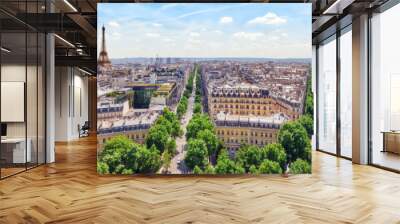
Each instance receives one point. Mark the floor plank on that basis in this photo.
(70, 191)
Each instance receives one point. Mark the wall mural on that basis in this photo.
(204, 88)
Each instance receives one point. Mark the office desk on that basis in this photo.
(391, 141)
(13, 150)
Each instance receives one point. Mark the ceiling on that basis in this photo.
(75, 22)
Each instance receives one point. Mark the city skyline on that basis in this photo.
(207, 30)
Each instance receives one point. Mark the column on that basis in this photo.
(360, 90)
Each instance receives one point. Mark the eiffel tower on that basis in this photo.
(103, 61)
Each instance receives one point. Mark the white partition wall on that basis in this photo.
(71, 102)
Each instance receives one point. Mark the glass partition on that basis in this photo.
(346, 93)
(385, 89)
(13, 92)
(327, 96)
(22, 77)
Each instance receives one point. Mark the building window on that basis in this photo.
(346, 93)
(327, 95)
(385, 89)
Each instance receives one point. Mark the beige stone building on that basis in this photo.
(250, 101)
(135, 128)
(236, 130)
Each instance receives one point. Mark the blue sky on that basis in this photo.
(206, 30)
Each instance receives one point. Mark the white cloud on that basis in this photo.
(113, 24)
(218, 32)
(248, 36)
(226, 20)
(168, 40)
(156, 24)
(194, 41)
(116, 35)
(152, 34)
(194, 34)
(268, 19)
(171, 5)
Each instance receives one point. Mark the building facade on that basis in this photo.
(250, 101)
(236, 130)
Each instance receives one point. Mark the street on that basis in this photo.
(177, 165)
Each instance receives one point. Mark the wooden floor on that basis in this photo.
(70, 191)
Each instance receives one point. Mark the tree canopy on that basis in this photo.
(270, 167)
(122, 156)
(307, 122)
(227, 166)
(249, 155)
(300, 166)
(197, 123)
(197, 108)
(309, 104)
(294, 139)
(196, 154)
(275, 152)
(211, 140)
(158, 136)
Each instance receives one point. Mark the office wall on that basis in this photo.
(13, 73)
(71, 102)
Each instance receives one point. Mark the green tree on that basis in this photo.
(197, 123)
(166, 160)
(182, 106)
(122, 156)
(149, 160)
(116, 152)
(270, 167)
(157, 136)
(171, 121)
(197, 99)
(209, 170)
(180, 110)
(169, 115)
(127, 172)
(275, 152)
(176, 130)
(171, 146)
(253, 169)
(227, 166)
(294, 139)
(211, 140)
(197, 170)
(102, 168)
(197, 108)
(162, 121)
(309, 104)
(249, 155)
(196, 154)
(119, 142)
(300, 166)
(307, 122)
(186, 93)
